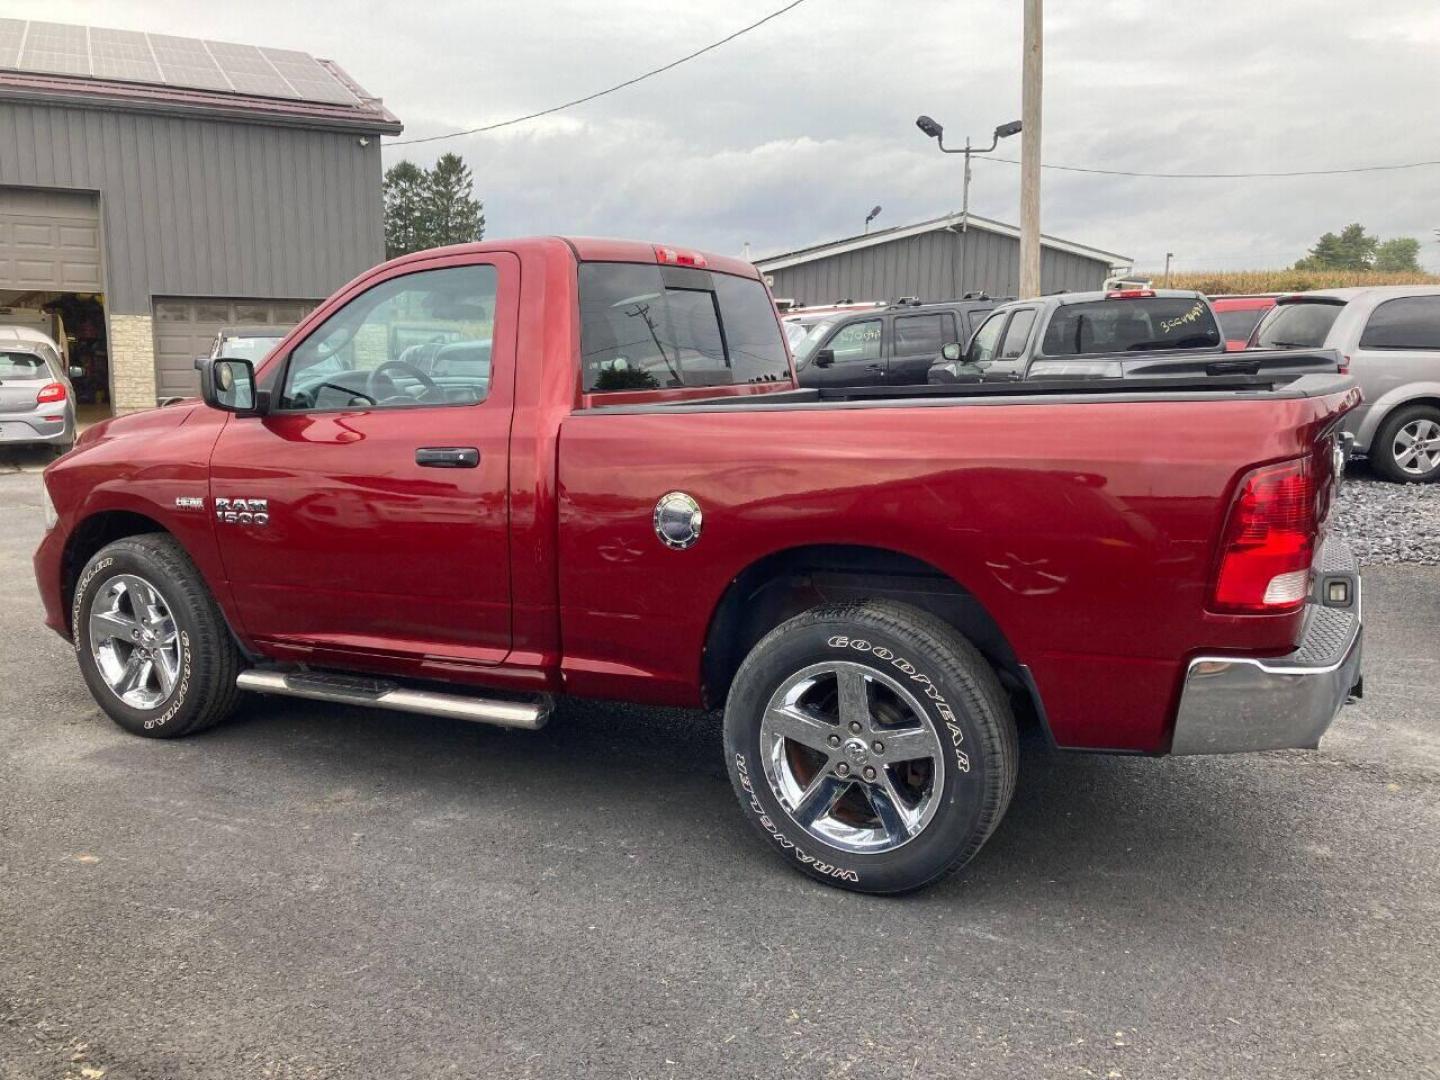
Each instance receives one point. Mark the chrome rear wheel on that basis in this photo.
(851, 757)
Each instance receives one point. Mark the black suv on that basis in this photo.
(894, 345)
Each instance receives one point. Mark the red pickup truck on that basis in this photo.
(482, 476)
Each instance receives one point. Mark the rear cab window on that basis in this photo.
(651, 327)
(1298, 324)
(1131, 324)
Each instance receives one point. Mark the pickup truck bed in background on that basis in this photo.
(486, 475)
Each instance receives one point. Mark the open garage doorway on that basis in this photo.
(51, 280)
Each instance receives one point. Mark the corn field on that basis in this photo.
(1218, 283)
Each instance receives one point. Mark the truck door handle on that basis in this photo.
(447, 457)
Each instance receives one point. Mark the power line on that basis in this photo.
(1225, 175)
(609, 90)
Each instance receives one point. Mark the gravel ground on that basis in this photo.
(1389, 523)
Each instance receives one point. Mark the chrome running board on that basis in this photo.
(383, 694)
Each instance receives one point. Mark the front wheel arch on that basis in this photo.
(92, 534)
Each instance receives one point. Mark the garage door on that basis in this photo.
(49, 241)
(185, 327)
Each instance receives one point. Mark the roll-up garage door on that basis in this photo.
(49, 241)
(185, 328)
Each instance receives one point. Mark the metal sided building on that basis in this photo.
(941, 259)
(155, 188)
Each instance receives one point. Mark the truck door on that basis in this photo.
(916, 345)
(368, 512)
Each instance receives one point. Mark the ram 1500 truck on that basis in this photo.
(483, 476)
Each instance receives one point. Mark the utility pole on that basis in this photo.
(1030, 93)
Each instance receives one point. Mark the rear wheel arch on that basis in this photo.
(785, 583)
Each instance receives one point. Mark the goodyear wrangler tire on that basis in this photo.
(870, 745)
(152, 646)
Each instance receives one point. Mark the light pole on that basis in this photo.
(936, 132)
(871, 217)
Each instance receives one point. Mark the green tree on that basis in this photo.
(407, 192)
(427, 208)
(1353, 249)
(455, 216)
(1400, 255)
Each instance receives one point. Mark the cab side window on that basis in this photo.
(856, 342)
(1017, 333)
(986, 341)
(421, 339)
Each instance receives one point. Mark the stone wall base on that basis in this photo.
(132, 362)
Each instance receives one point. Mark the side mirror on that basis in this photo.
(229, 384)
(825, 358)
(76, 371)
(951, 352)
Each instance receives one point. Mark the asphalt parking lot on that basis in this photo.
(313, 891)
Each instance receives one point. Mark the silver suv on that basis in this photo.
(1390, 339)
(37, 402)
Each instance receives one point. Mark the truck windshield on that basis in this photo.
(1132, 324)
(647, 327)
(1299, 325)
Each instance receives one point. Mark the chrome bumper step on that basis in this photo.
(384, 694)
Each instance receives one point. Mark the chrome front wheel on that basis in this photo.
(851, 757)
(134, 641)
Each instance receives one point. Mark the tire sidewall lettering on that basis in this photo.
(927, 687)
(80, 639)
(752, 800)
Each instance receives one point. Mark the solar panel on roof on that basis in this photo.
(122, 54)
(186, 62)
(166, 60)
(309, 79)
(12, 32)
(248, 70)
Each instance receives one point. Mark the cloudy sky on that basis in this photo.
(790, 134)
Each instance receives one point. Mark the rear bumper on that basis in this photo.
(1236, 704)
(32, 427)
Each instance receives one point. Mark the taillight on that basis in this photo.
(50, 393)
(1344, 363)
(1269, 541)
(1128, 294)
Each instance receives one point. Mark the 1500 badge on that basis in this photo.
(242, 511)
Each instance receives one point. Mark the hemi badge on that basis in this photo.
(189, 502)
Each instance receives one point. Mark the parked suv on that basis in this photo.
(37, 402)
(1390, 340)
(894, 346)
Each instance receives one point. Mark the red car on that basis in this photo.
(1239, 315)
(480, 477)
